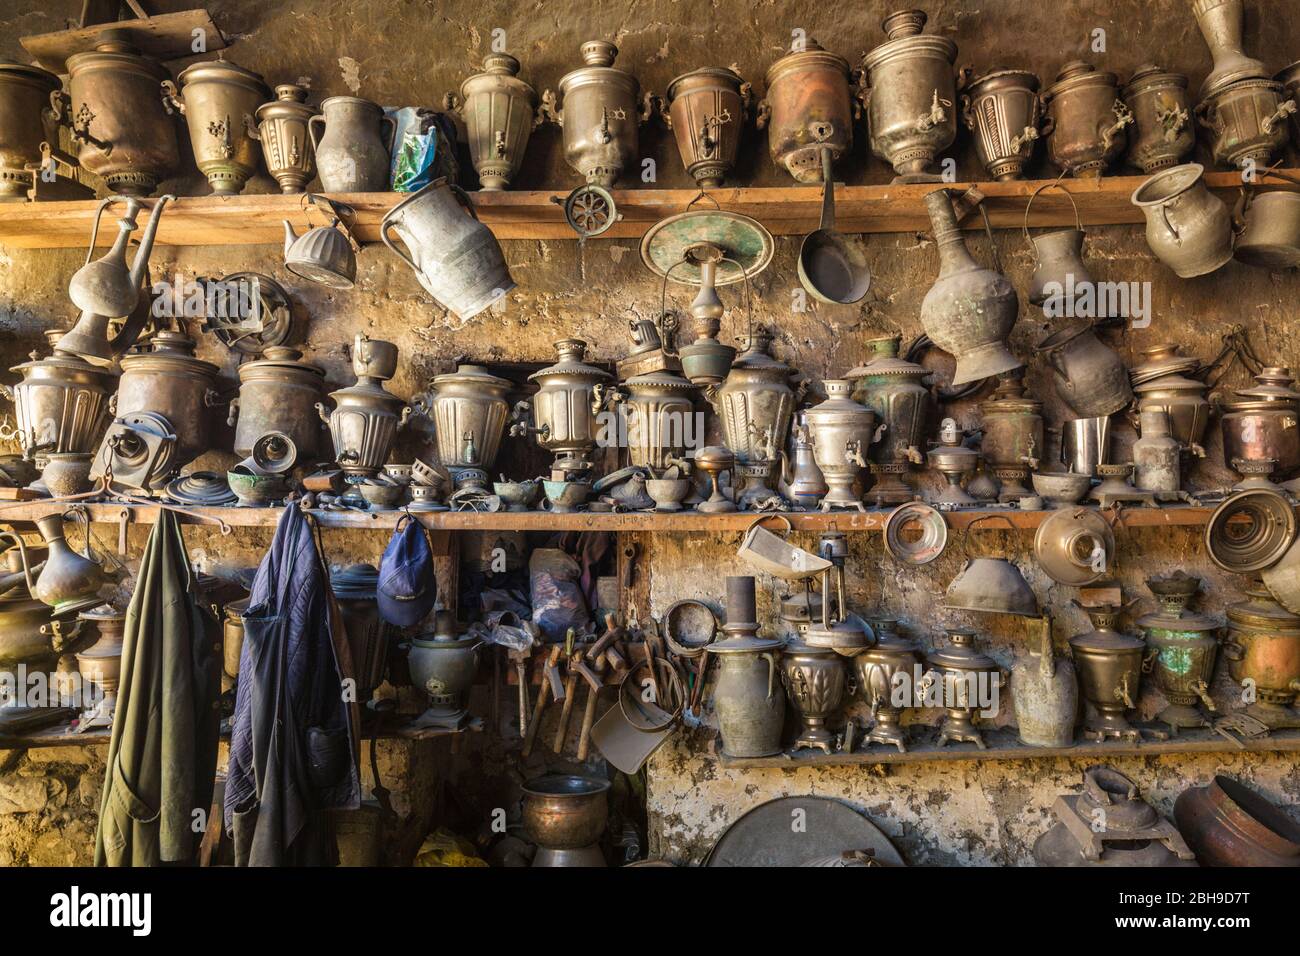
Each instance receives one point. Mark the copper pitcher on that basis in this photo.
(1188, 227)
(353, 139)
(1089, 375)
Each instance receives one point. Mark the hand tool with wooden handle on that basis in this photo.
(570, 687)
(595, 680)
(520, 659)
(545, 688)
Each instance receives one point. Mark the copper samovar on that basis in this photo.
(282, 129)
(61, 404)
(1186, 644)
(657, 409)
(24, 96)
(500, 113)
(706, 111)
(808, 108)
(1109, 663)
(566, 407)
(884, 671)
(1263, 422)
(469, 410)
(967, 682)
(219, 101)
(1263, 653)
(1013, 435)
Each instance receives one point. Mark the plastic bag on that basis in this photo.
(444, 848)
(558, 602)
(424, 148)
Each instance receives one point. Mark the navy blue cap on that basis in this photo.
(407, 587)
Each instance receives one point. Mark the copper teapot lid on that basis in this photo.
(281, 356)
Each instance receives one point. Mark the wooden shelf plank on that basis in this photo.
(680, 522)
(785, 210)
(1003, 744)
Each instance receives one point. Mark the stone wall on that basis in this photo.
(409, 52)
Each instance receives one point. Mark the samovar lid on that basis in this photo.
(103, 612)
(961, 653)
(813, 55)
(66, 361)
(905, 39)
(1260, 607)
(1175, 592)
(25, 71)
(172, 348)
(1148, 75)
(355, 582)
(885, 360)
(1162, 360)
(222, 70)
(1078, 73)
(1272, 384)
(1026, 79)
(280, 356)
(719, 72)
(290, 100)
(571, 352)
(662, 378)
(471, 375)
(1010, 396)
(757, 355)
(201, 488)
(599, 56)
(1104, 637)
(116, 46)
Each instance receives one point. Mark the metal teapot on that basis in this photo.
(68, 581)
(325, 254)
(107, 288)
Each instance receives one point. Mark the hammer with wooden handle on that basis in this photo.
(542, 691)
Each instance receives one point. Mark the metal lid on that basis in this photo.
(812, 56)
(355, 582)
(661, 379)
(757, 355)
(1077, 74)
(103, 612)
(1149, 75)
(222, 70)
(1025, 79)
(571, 352)
(201, 488)
(173, 349)
(13, 70)
(1272, 384)
(961, 654)
(471, 375)
(746, 246)
(906, 40)
(1105, 637)
(885, 361)
(279, 357)
(599, 56)
(1261, 609)
(1163, 359)
(1010, 396)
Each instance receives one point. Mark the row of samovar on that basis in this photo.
(827, 655)
(118, 101)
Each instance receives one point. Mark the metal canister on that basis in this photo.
(232, 642)
(279, 393)
(808, 108)
(24, 96)
(166, 378)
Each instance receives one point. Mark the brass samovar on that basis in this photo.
(570, 396)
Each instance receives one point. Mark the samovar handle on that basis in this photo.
(771, 672)
(1149, 661)
(232, 416)
(1123, 117)
(762, 114)
(1122, 694)
(1202, 690)
(322, 412)
(172, 100)
(548, 111)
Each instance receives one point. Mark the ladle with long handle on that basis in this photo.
(832, 267)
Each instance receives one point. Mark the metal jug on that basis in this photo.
(1058, 260)
(69, 582)
(747, 696)
(107, 288)
(325, 254)
(1089, 375)
(352, 154)
(456, 258)
(1188, 228)
(1045, 694)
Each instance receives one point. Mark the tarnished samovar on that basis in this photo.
(1169, 381)
(1013, 435)
(366, 417)
(599, 108)
(896, 390)
(884, 674)
(1085, 120)
(756, 402)
(570, 395)
(1186, 644)
(1263, 422)
(500, 113)
(911, 97)
(61, 404)
(1247, 122)
(1263, 653)
(116, 114)
(219, 101)
(278, 395)
(1003, 110)
(841, 432)
(24, 96)
(706, 110)
(1109, 663)
(469, 410)
(658, 411)
(1163, 134)
(967, 682)
(807, 108)
(165, 378)
(286, 143)
(816, 682)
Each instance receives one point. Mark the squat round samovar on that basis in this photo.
(566, 407)
(1263, 653)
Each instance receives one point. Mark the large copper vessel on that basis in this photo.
(599, 109)
(1085, 120)
(570, 395)
(469, 411)
(807, 108)
(896, 390)
(660, 419)
(61, 404)
(1004, 111)
(911, 97)
(278, 394)
(1163, 133)
(282, 129)
(24, 96)
(706, 111)
(1227, 824)
(219, 101)
(1187, 644)
(500, 112)
(1263, 422)
(166, 378)
(1263, 653)
(969, 311)
(115, 110)
(756, 402)
(25, 637)
(1013, 435)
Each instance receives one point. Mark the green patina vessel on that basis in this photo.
(1183, 646)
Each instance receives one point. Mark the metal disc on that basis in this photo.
(273, 307)
(590, 210)
(764, 836)
(1250, 531)
(933, 538)
(741, 239)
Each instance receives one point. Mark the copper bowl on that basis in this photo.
(1227, 824)
(565, 813)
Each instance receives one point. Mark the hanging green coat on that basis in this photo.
(162, 754)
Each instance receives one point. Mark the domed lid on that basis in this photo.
(1261, 607)
(839, 400)
(103, 612)
(961, 654)
(13, 70)
(1010, 397)
(1076, 74)
(1170, 383)
(176, 349)
(599, 56)
(813, 55)
(1175, 593)
(720, 73)
(355, 582)
(1021, 79)
(571, 352)
(885, 361)
(280, 356)
(661, 379)
(222, 70)
(757, 355)
(471, 375)
(1105, 637)
(1161, 360)
(905, 39)
(290, 101)
(1149, 75)
(1273, 384)
(201, 488)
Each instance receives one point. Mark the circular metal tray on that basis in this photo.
(768, 835)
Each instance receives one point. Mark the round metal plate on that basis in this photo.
(741, 239)
(927, 546)
(765, 837)
(1250, 531)
(1055, 537)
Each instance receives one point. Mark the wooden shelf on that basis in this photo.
(686, 522)
(1003, 744)
(785, 210)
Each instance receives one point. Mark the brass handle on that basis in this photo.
(937, 114)
(1284, 109)
(1202, 691)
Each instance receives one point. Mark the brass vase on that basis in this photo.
(286, 143)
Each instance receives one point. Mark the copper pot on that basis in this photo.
(565, 812)
(1163, 133)
(808, 108)
(1228, 824)
(1246, 121)
(167, 379)
(219, 100)
(278, 394)
(1085, 120)
(24, 95)
(1263, 422)
(116, 113)
(1263, 647)
(282, 129)
(706, 111)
